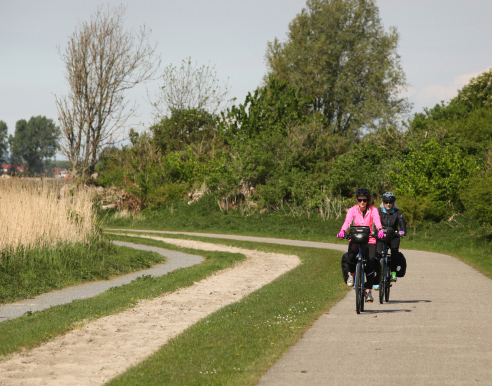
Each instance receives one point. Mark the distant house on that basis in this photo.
(12, 169)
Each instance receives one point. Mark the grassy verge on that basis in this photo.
(32, 329)
(462, 237)
(27, 273)
(236, 344)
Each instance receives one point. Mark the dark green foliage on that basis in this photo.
(34, 141)
(339, 53)
(184, 128)
(477, 196)
(3, 140)
(272, 108)
(437, 170)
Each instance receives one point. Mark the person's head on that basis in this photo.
(363, 197)
(388, 200)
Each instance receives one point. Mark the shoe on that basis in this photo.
(393, 276)
(375, 287)
(369, 297)
(350, 280)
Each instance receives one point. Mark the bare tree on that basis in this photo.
(189, 87)
(103, 60)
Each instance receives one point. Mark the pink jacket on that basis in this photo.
(372, 217)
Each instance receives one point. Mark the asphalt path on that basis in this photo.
(435, 330)
(175, 260)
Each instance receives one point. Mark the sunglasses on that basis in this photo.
(362, 199)
(387, 202)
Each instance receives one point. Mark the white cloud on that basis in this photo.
(435, 93)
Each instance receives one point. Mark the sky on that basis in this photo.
(443, 45)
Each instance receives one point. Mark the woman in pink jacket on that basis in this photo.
(362, 214)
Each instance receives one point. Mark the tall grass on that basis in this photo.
(50, 239)
(33, 215)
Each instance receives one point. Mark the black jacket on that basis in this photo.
(393, 219)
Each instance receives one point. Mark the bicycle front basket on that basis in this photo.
(360, 234)
(389, 234)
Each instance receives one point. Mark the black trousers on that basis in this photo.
(395, 260)
(349, 261)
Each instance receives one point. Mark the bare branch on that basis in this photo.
(189, 87)
(103, 61)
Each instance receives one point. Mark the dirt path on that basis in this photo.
(102, 349)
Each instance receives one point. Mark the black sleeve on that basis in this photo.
(401, 221)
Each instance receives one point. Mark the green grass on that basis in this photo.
(236, 344)
(203, 217)
(27, 273)
(32, 329)
(462, 237)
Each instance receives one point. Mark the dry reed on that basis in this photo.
(35, 215)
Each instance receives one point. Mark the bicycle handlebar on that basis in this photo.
(375, 235)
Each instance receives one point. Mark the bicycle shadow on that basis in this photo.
(410, 301)
(379, 311)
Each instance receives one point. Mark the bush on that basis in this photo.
(418, 209)
(478, 196)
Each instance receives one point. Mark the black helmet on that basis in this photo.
(389, 197)
(362, 192)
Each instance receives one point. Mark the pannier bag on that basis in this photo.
(359, 234)
(401, 268)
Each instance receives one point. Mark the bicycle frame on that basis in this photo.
(359, 287)
(384, 283)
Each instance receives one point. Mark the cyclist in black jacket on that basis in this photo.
(392, 217)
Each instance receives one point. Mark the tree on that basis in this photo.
(185, 127)
(103, 61)
(34, 141)
(191, 87)
(339, 53)
(3, 140)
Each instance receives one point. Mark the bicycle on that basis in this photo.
(359, 235)
(385, 277)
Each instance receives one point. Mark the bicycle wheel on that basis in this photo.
(362, 291)
(382, 280)
(359, 296)
(387, 284)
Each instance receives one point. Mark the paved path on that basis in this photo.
(174, 261)
(436, 330)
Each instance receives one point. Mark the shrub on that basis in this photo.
(478, 196)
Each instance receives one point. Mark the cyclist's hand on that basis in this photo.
(381, 234)
(401, 233)
(341, 235)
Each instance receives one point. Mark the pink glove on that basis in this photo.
(401, 233)
(381, 234)
(341, 235)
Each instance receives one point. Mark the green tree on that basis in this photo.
(3, 140)
(34, 141)
(338, 51)
(271, 108)
(186, 127)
